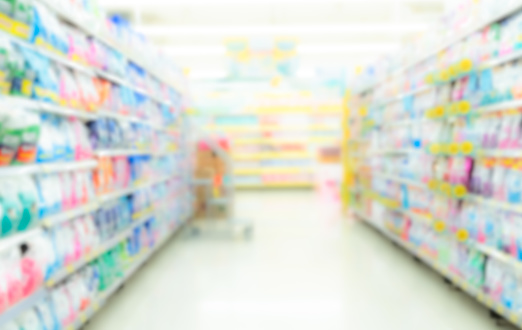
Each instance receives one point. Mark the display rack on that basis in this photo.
(269, 153)
(419, 169)
(164, 215)
(456, 280)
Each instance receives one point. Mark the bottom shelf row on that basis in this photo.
(71, 304)
(483, 278)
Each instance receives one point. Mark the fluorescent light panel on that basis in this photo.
(303, 49)
(390, 28)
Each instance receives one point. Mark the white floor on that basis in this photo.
(306, 268)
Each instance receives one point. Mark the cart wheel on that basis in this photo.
(195, 231)
(248, 232)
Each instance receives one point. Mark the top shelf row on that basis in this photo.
(70, 35)
(445, 37)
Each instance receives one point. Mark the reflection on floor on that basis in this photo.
(305, 268)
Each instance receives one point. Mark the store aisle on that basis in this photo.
(306, 268)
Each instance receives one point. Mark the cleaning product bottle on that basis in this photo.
(29, 127)
(28, 195)
(11, 208)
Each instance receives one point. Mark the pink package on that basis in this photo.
(78, 246)
(70, 244)
(66, 184)
(83, 148)
(505, 132)
(71, 317)
(461, 170)
(80, 189)
(4, 297)
(13, 277)
(78, 46)
(97, 55)
(89, 98)
(122, 171)
(32, 275)
(498, 182)
(69, 92)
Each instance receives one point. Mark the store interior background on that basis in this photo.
(290, 62)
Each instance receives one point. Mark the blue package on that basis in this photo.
(99, 220)
(99, 134)
(60, 143)
(46, 83)
(67, 134)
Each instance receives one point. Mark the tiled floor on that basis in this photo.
(305, 268)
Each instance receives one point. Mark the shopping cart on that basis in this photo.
(215, 217)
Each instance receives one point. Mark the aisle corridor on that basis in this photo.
(305, 269)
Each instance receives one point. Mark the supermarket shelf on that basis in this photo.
(400, 122)
(512, 207)
(517, 5)
(81, 67)
(68, 166)
(62, 59)
(483, 66)
(288, 185)
(120, 117)
(92, 27)
(106, 246)
(127, 191)
(490, 251)
(67, 215)
(122, 82)
(392, 152)
(15, 311)
(272, 170)
(517, 208)
(133, 152)
(15, 170)
(86, 315)
(18, 238)
(477, 294)
(65, 111)
(261, 128)
(29, 302)
(500, 153)
(402, 96)
(515, 55)
(499, 106)
(398, 179)
(282, 141)
(35, 105)
(500, 256)
(121, 152)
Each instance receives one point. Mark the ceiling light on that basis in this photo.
(388, 28)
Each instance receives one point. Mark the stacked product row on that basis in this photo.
(275, 149)
(93, 160)
(475, 33)
(38, 23)
(67, 69)
(464, 237)
(438, 158)
(26, 268)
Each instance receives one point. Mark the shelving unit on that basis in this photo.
(172, 151)
(408, 133)
(265, 145)
(85, 315)
(475, 293)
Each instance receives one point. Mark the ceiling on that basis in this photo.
(339, 33)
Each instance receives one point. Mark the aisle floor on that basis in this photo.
(305, 268)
